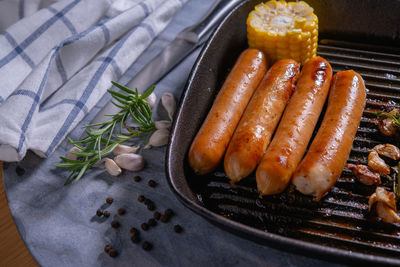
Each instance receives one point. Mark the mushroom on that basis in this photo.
(388, 150)
(385, 205)
(386, 126)
(364, 175)
(377, 164)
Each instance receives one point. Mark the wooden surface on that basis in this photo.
(13, 251)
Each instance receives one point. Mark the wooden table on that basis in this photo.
(13, 251)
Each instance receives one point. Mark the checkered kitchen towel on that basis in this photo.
(57, 60)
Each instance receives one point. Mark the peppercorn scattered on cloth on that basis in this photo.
(284, 30)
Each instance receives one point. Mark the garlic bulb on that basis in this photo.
(168, 101)
(151, 99)
(158, 138)
(112, 167)
(69, 155)
(162, 125)
(123, 149)
(130, 162)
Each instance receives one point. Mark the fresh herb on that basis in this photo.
(104, 137)
(394, 117)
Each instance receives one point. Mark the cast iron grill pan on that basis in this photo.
(340, 221)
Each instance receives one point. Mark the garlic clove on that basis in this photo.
(112, 167)
(168, 101)
(162, 124)
(123, 149)
(158, 138)
(69, 155)
(151, 99)
(130, 162)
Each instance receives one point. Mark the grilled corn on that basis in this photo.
(284, 30)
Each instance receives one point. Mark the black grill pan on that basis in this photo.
(354, 34)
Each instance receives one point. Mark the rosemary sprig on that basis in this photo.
(394, 117)
(104, 137)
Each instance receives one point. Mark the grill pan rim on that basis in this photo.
(182, 191)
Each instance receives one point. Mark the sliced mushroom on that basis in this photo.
(386, 126)
(387, 214)
(381, 195)
(364, 175)
(388, 150)
(377, 164)
(385, 205)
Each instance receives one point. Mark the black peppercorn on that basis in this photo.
(107, 248)
(151, 206)
(147, 201)
(113, 253)
(135, 239)
(121, 211)
(157, 215)
(134, 231)
(178, 228)
(152, 183)
(106, 214)
(145, 226)
(99, 212)
(147, 246)
(169, 212)
(164, 218)
(141, 198)
(109, 200)
(20, 171)
(115, 224)
(137, 178)
(152, 222)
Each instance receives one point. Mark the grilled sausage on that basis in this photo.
(259, 120)
(211, 141)
(295, 129)
(327, 155)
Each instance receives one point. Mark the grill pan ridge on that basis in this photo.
(339, 224)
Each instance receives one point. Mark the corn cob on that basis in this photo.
(284, 30)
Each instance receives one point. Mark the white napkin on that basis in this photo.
(57, 63)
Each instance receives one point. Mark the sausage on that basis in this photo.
(327, 155)
(295, 129)
(260, 119)
(211, 141)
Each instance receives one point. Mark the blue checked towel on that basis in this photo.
(57, 59)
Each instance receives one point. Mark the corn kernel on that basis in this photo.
(284, 30)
